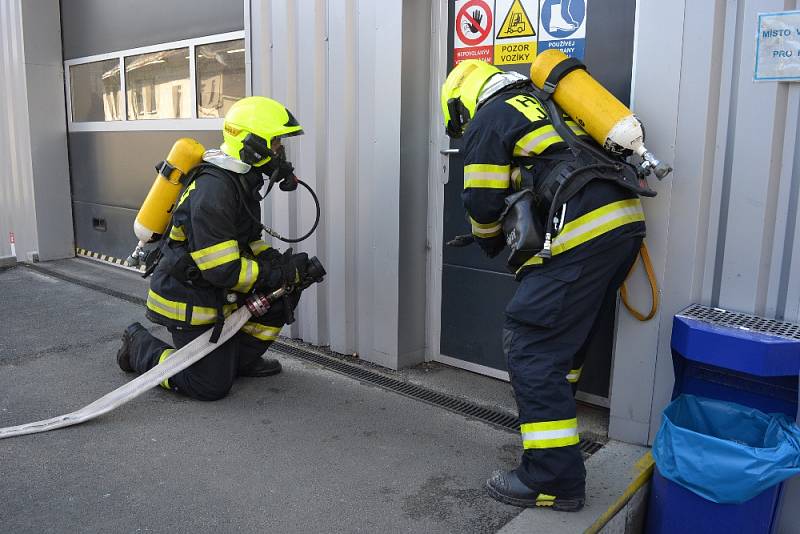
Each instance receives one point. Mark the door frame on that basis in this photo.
(438, 173)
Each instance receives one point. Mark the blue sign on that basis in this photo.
(562, 18)
(778, 47)
(562, 25)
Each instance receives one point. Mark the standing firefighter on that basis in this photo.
(512, 152)
(213, 257)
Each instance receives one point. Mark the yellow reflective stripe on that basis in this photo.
(164, 356)
(516, 178)
(537, 141)
(550, 434)
(186, 192)
(574, 375)
(203, 315)
(167, 308)
(247, 276)
(216, 255)
(262, 332)
(593, 224)
(487, 176)
(177, 234)
(258, 246)
(485, 230)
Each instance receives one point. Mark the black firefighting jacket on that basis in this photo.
(507, 134)
(211, 226)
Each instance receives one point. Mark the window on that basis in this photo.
(220, 77)
(95, 91)
(158, 85)
(183, 85)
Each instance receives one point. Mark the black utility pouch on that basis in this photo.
(523, 230)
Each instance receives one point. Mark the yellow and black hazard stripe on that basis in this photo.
(82, 252)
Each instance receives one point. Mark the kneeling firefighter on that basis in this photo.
(570, 253)
(213, 256)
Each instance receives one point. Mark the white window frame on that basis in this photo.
(125, 125)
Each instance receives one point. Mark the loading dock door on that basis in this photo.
(475, 289)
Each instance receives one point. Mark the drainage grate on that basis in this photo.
(494, 417)
(497, 418)
(742, 321)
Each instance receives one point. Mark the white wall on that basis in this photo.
(342, 68)
(722, 231)
(35, 194)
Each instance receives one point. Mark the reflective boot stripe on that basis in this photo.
(550, 434)
(164, 356)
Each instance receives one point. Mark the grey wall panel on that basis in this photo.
(339, 65)
(117, 168)
(99, 26)
(34, 187)
(414, 124)
(115, 238)
(17, 207)
(44, 72)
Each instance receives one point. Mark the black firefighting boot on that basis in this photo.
(124, 352)
(260, 367)
(509, 489)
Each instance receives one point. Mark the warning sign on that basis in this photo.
(517, 23)
(515, 41)
(562, 25)
(474, 31)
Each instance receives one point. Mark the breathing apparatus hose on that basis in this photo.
(274, 233)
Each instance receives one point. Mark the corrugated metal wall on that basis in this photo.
(16, 194)
(34, 197)
(723, 228)
(351, 71)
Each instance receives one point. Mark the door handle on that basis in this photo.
(448, 151)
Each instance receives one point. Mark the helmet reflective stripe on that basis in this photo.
(460, 93)
(263, 118)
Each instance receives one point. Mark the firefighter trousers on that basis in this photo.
(549, 323)
(208, 379)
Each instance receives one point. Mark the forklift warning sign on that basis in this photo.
(474, 31)
(515, 41)
(512, 32)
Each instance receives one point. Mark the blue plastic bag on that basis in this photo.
(725, 452)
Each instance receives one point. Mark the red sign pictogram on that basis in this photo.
(474, 22)
(11, 238)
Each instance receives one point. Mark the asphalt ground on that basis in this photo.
(305, 451)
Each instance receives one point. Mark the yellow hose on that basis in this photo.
(651, 278)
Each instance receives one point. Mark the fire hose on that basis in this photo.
(255, 306)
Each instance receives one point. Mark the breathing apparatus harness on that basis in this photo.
(595, 162)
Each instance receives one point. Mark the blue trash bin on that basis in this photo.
(737, 358)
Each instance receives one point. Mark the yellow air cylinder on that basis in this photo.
(607, 120)
(154, 215)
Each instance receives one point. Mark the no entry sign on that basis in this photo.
(474, 31)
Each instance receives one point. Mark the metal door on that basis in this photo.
(475, 289)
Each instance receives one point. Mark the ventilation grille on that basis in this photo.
(741, 321)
